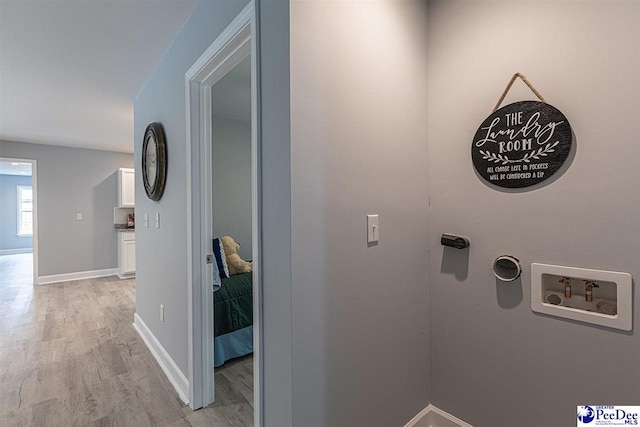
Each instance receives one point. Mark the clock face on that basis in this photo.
(152, 160)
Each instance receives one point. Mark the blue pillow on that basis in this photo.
(221, 258)
(217, 283)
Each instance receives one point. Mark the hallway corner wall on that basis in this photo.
(498, 363)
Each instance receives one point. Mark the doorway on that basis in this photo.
(18, 223)
(231, 61)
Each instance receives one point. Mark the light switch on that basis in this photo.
(146, 220)
(373, 229)
(79, 216)
(157, 219)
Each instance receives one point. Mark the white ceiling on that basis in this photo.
(15, 168)
(70, 69)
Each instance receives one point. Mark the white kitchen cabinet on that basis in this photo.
(126, 254)
(126, 188)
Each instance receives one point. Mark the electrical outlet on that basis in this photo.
(162, 313)
(79, 216)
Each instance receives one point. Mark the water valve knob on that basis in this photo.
(458, 242)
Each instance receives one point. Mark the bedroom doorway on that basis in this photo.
(224, 199)
(19, 224)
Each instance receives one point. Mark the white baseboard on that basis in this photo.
(432, 416)
(422, 414)
(16, 251)
(169, 367)
(81, 275)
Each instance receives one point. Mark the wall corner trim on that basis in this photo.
(81, 275)
(168, 365)
(436, 417)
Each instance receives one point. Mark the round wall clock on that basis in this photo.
(154, 161)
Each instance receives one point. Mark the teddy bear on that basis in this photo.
(236, 264)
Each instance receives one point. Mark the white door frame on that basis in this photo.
(236, 42)
(34, 189)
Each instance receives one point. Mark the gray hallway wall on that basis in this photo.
(308, 369)
(163, 100)
(496, 363)
(359, 146)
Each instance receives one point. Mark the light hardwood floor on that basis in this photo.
(70, 357)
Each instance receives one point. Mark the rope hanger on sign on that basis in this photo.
(513, 79)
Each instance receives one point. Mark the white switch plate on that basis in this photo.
(162, 313)
(157, 219)
(146, 220)
(79, 216)
(373, 229)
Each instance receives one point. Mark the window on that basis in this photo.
(25, 210)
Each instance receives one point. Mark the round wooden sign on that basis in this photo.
(521, 144)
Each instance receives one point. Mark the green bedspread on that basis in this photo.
(233, 304)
